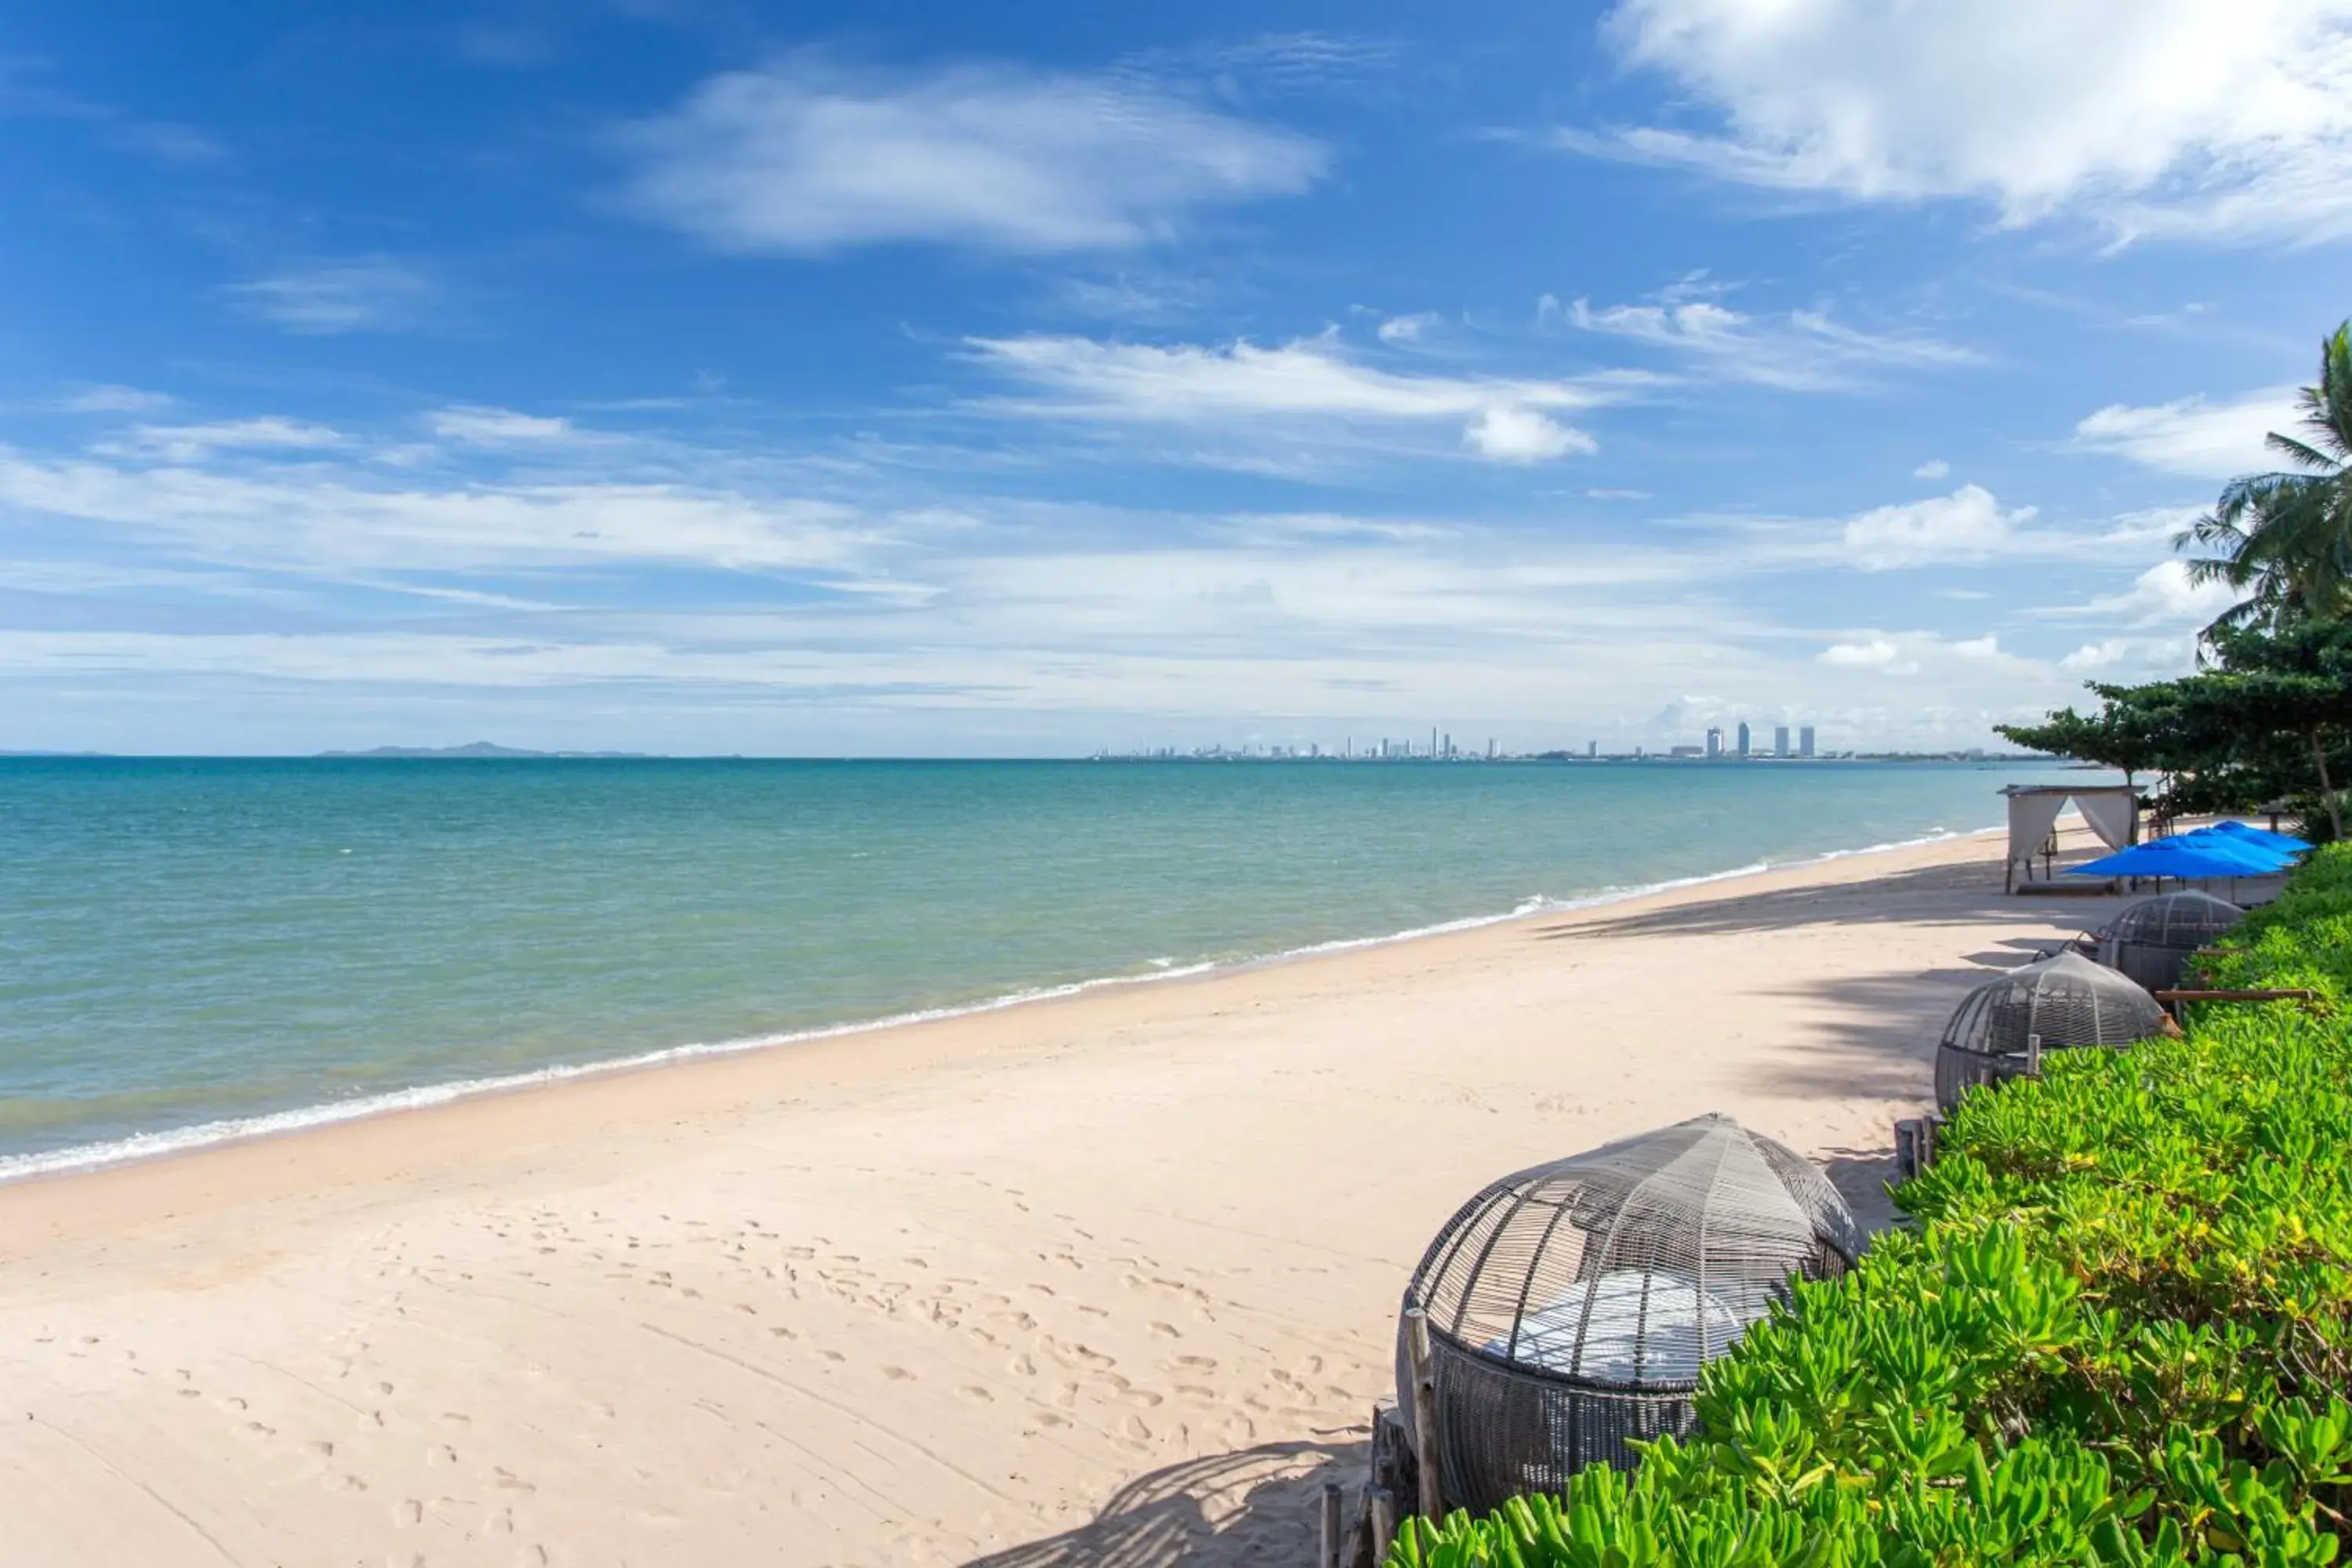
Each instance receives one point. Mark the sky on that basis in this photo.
(907, 378)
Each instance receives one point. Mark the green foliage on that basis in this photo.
(2271, 719)
(2120, 1333)
(2283, 540)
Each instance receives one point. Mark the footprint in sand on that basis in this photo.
(896, 1373)
(976, 1393)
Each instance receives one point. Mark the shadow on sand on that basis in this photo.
(1939, 895)
(1255, 1505)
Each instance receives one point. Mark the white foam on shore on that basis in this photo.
(174, 1141)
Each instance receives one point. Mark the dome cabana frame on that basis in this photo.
(2062, 1002)
(2151, 941)
(1568, 1308)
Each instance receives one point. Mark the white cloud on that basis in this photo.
(187, 443)
(1804, 351)
(1878, 653)
(1909, 653)
(1409, 329)
(805, 157)
(500, 427)
(1190, 382)
(117, 400)
(2192, 437)
(331, 298)
(1966, 525)
(1933, 469)
(282, 520)
(2129, 660)
(2188, 117)
(1524, 436)
(2162, 596)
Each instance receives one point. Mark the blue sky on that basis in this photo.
(914, 378)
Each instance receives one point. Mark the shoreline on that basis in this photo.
(1110, 1278)
(147, 1148)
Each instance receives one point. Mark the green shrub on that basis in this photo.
(2121, 1333)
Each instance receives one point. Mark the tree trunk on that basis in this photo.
(2326, 789)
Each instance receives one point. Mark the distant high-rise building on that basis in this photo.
(1805, 742)
(1743, 740)
(1714, 744)
(1780, 739)
(1592, 748)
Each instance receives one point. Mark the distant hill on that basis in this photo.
(479, 748)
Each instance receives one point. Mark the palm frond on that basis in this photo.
(2301, 452)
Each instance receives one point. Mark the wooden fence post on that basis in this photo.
(1383, 1502)
(1424, 1413)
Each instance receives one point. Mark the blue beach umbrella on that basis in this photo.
(2275, 858)
(2188, 857)
(2262, 836)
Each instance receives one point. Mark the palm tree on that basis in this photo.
(2285, 539)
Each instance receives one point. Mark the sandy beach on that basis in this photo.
(1106, 1279)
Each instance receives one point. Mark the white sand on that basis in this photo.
(1105, 1279)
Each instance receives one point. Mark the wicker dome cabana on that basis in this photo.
(2061, 1002)
(2152, 939)
(1570, 1306)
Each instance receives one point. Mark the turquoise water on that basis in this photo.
(188, 944)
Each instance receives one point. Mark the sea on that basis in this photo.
(195, 950)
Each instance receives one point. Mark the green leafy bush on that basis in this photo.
(2120, 1333)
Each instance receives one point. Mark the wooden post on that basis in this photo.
(2033, 1056)
(1424, 1413)
(1334, 1533)
(1928, 1140)
(1384, 1505)
(1906, 1148)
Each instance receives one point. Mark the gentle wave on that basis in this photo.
(154, 1145)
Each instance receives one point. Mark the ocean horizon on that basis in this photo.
(195, 949)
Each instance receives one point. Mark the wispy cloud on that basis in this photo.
(1802, 351)
(1075, 377)
(28, 87)
(480, 426)
(808, 156)
(324, 298)
(116, 400)
(2191, 435)
(332, 523)
(1277, 63)
(189, 443)
(1409, 329)
(2174, 117)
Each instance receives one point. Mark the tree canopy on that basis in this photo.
(2269, 718)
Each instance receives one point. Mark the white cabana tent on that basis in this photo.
(2111, 810)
